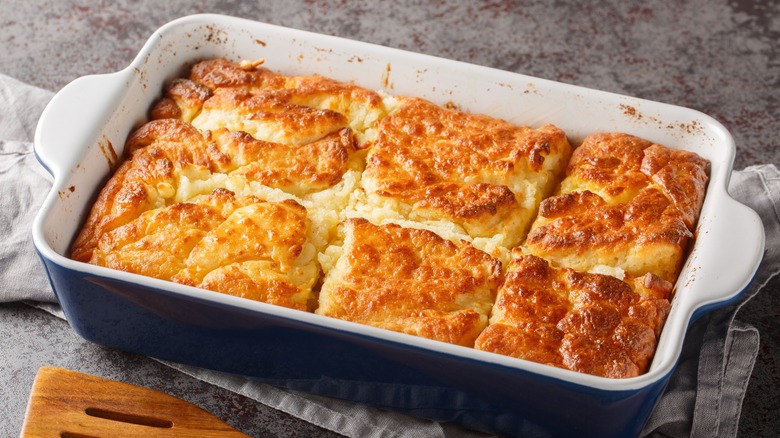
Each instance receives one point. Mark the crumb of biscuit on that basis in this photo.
(248, 64)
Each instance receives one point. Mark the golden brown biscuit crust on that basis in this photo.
(222, 73)
(618, 166)
(242, 246)
(361, 107)
(590, 323)
(183, 100)
(462, 167)
(296, 169)
(412, 281)
(625, 203)
(161, 150)
(268, 115)
(147, 179)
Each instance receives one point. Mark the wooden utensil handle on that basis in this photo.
(69, 404)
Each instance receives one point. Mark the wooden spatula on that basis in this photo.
(69, 404)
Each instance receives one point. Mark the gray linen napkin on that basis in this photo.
(704, 396)
(719, 352)
(24, 186)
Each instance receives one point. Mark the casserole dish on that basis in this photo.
(80, 138)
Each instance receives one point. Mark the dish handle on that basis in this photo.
(734, 251)
(63, 128)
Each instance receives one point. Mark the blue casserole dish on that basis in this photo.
(80, 138)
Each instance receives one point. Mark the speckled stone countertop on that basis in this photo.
(720, 57)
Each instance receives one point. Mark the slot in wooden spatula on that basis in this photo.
(69, 404)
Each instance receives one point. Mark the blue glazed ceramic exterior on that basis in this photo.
(330, 362)
(339, 359)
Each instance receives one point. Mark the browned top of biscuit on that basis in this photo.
(590, 323)
(296, 169)
(146, 179)
(158, 242)
(223, 73)
(583, 220)
(618, 166)
(162, 150)
(625, 202)
(183, 99)
(467, 168)
(268, 115)
(242, 246)
(412, 281)
(254, 92)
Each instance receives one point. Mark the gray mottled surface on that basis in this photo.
(719, 57)
(31, 338)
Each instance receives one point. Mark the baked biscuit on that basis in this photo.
(241, 246)
(252, 98)
(170, 161)
(485, 175)
(267, 115)
(409, 280)
(625, 203)
(590, 323)
(298, 134)
(183, 100)
(159, 154)
(298, 169)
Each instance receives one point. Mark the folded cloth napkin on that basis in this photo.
(24, 186)
(703, 398)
